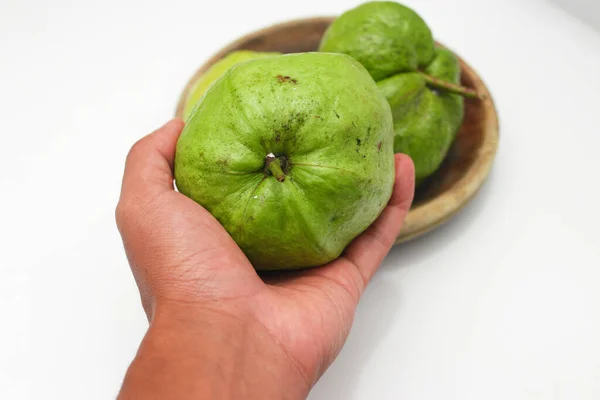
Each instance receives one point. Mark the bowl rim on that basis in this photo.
(426, 216)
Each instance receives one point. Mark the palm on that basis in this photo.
(310, 316)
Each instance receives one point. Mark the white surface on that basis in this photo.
(586, 10)
(501, 303)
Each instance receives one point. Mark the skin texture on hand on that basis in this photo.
(217, 329)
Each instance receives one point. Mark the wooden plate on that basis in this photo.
(468, 162)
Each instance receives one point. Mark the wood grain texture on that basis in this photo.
(468, 162)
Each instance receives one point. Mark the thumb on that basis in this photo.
(149, 165)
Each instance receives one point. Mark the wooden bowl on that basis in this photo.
(468, 162)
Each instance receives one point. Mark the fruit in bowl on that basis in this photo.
(419, 79)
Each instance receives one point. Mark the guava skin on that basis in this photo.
(215, 71)
(384, 36)
(292, 154)
(395, 45)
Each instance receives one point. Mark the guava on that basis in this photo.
(426, 120)
(215, 71)
(292, 154)
(384, 36)
(419, 79)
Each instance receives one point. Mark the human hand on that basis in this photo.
(217, 329)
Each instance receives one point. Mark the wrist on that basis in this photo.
(199, 351)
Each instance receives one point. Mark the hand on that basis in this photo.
(217, 329)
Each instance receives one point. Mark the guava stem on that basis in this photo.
(451, 87)
(274, 165)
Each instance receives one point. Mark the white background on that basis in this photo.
(503, 302)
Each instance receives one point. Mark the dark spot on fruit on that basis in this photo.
(223, 161)
(285, 164)
(286, 78)
(318, 116)
(336, 114)
(357, 141)
(379, 146)
(278, 138)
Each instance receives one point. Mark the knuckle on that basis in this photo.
(134, 213)
(356, 283)
(120, 214)
(137, 148)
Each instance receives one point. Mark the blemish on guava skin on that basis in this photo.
(278, 138)
(336, 114)
(285, 164)
(357, 141)
(286, 78)
(223, 161)
(379, 146)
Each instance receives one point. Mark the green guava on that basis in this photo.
(426, 120)
(292, 154)
(215, 71)
(384, 36)
(419, 79)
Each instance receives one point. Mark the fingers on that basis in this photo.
(404, 185)
(369, 249)
(149, 164)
